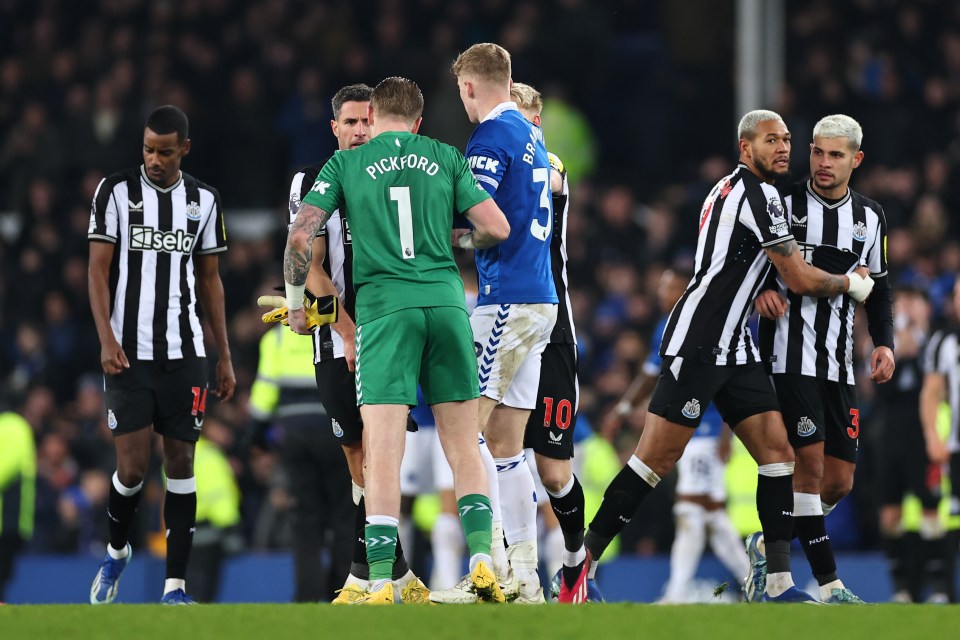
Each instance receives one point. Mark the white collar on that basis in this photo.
(143, 174)
(500, 108)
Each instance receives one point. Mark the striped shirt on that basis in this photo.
(564, 331)
(155, 233)
(815, 335)
(338, 263)
(740, 217)
(942, 356)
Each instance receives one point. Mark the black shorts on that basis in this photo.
(905, 468)
(817, 410)
(338, 393)
(551, 423)
(171, 395)
(686, 386)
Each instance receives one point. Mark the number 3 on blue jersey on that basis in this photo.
(538, 231)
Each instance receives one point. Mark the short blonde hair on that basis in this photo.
(840, 126)
(526, 97)
(486, 61)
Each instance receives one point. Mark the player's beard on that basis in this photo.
(771, 174)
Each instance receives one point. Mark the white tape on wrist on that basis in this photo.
(859, 287)
(294, 295)
(466, 241)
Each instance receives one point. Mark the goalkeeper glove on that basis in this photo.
(320, 311)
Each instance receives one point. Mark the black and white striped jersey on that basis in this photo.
(815, 335)
(740, 217)
(338, 262)
(564, 331)
(942, 355)
(155, 233)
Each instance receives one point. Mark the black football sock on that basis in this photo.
(894, 547)
(120, 510)
(359, 567)
(775, 508)
(620, 502)
(180, 516)
(567, 506)
(812, 532)
(400, 566)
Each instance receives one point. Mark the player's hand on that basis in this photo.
(350, 351)
(319, 311)
(882, 365)
(112, 358)
(937, 451)
(771, 305)
(297, 319)
(226, 380)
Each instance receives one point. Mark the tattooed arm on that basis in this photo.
(802, 278)
(297, 258)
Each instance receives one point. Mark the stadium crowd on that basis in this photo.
(641, 112)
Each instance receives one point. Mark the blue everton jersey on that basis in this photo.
(508, 158)
(711, 424)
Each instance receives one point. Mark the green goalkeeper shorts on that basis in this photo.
(429, 345)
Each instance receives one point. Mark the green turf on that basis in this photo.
(487, 622)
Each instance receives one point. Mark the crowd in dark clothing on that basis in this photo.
(652, 81)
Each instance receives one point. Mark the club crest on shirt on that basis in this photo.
(860, 232)
(337, 429)
(111, 420)
(691, 409)
(805, 427)
(193, 210)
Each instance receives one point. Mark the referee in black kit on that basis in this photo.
(155, 233)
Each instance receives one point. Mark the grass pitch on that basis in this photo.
(483, 622)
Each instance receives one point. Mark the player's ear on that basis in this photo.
(335, 128)
(185, 147)
(536, 119)
(416, 125)
(369, 115)
(857, 159)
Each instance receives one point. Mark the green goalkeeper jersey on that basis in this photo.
(399, 193)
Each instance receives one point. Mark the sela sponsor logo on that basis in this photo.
(775, 210)
(111, 420)
(193, 211)
(805, 427)
(691, 409)
(144, 238)
(337, 429)
(860, 232)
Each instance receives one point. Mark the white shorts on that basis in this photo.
(700, 472)
(424, 468)
(509, 339)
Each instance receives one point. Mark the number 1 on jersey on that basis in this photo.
(401, 195)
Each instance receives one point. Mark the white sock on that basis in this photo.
(447, 542)
(115, 554)
(826, 590)
(726, 543)
(479, 557)
(827, 508)
(777, 583)
(553, 550)
(688, 544)
(405, 578)
(501, 566)
(360, 582)
(518, 499)
(172, 584)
